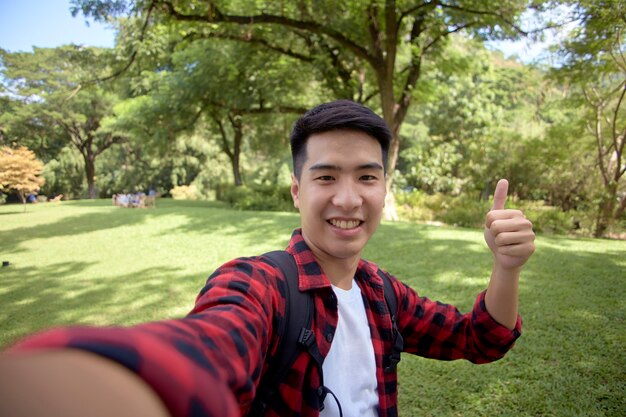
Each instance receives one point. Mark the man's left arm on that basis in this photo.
(509, 235)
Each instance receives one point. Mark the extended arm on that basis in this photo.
(204, 364)
(73, 383)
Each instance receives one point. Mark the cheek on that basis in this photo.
(310, 201)
(376, 198)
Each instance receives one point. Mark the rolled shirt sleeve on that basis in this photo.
(440, 331)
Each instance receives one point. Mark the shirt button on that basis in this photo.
(329, 337)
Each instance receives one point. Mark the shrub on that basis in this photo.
(459, 211)
(464, 212)
(546, 219)
(256, 197)
(413, 206)
(184, 192)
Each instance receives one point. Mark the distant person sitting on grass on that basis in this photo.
(123, 200)
(213, 361)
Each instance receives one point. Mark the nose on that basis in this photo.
(347, 196)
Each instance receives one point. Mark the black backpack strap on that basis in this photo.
(391, 360)
(294, 334)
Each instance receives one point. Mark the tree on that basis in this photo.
(216, 89)
(20, 171)
(58, 99)
(594, 66)
(475, 111)
(389, 39)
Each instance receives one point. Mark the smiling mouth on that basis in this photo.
(345, 224)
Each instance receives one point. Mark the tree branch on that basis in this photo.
(215, 16)
(485, 13)
(391, 33)
(615, 114)
(618, 45)
(275, 109)
(250, 39)
(112, 140)
(74, 134)
(445, 34)
(225, 146)
(260, 110)
(414, 69)
(374, 31)
(414, 9)
(598, 134)
(134, 54)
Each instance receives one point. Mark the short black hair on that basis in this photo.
(337, 115)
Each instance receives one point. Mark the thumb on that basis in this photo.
(499, 196)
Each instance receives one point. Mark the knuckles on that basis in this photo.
(514, 224)
(495, 215)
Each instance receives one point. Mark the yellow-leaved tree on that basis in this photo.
(20, 170)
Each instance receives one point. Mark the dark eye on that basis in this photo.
(325, 178)
(368, 178)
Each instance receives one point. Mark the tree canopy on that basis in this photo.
(56, 99)
(203, 94)
(20, 171)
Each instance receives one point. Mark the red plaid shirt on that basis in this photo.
(199, 363)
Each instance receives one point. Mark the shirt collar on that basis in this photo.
(310, 273)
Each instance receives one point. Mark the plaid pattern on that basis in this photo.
(209, 363)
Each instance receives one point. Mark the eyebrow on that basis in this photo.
(331, 167)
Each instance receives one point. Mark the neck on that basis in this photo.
(340, 272)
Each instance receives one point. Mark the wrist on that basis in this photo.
(499, 269)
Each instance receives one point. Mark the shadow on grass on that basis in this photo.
(253, 227)
(73, 225)
(33, 299)
(200, 217)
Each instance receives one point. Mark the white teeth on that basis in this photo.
(345, 224)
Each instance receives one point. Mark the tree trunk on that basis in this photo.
(605, 210)
(235, 121)
(389, 107)
(235, 153)
(236, 171)
(90, 173)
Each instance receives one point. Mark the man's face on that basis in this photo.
(340, 193)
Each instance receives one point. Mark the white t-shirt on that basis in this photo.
(350, 366)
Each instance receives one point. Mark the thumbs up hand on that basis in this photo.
(508, 233)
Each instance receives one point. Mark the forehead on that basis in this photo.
(343, 146)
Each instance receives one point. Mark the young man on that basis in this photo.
(210, 362)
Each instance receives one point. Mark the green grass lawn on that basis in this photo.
(89, 262)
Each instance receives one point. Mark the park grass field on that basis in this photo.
(91, 263)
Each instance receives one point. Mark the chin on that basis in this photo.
(345, 251)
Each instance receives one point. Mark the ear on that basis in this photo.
(295, 191)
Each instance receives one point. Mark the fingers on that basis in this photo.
(519, 250)
(499, 196)
(514, 238)
(496, 215)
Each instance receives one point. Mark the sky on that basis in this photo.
(49, 23)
